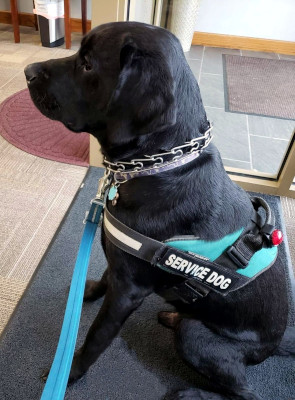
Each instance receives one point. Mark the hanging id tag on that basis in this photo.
(113, 194)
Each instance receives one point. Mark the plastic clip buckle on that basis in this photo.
(189, 291)
(197, 289)
(237, 257)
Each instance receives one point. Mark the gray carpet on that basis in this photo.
(260, 86)
(141, 363)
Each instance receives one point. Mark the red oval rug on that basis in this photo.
(23, 125)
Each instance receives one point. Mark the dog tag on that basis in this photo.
(112, 193)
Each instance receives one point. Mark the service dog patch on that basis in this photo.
(199, 268)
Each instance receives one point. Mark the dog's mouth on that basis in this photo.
(47, 104)
(73, 127)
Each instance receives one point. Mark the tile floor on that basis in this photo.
(245, 141)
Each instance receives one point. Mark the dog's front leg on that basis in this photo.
(120, 300)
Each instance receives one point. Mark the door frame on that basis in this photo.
(282, 186)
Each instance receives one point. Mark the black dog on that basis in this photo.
(131, 87)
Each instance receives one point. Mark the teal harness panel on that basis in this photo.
(260, 260)
(213, 249)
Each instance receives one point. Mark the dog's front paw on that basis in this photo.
(94, 290)
(77, 370)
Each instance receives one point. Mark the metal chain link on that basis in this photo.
(138, 163)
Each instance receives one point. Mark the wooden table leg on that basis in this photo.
(84, 16)
(14, 17)
(67, 24)
(35, 18)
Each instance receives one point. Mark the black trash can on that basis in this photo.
(52, 31)
(51, 22)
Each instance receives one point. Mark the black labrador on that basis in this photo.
(130, 86)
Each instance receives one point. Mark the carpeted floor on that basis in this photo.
(260, 86)
(23, 125)
(35, 193)
(141, 363)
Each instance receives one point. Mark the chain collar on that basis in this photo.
(125, 170)
(116, 173)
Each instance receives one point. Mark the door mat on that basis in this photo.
(141, 363)
(23, 125)
(259, 86)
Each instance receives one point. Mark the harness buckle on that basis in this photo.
(190, 291)
(237, 257)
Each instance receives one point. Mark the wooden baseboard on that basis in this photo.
(24, 19)
(243, 43)
(27, 19)
(76, 25)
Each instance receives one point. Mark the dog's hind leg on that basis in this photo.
(287, 345)
(218, 358)
(96, 289)
(199, 394)
(121, 299)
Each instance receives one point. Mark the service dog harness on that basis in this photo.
(221, 266)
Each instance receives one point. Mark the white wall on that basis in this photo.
(141, 11)
(267, 19)
(27, 6)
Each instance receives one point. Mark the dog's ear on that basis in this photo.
(144, 95)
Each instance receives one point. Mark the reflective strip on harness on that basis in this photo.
(133, 244)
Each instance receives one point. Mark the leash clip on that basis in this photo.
(99, 199)
(103, 185)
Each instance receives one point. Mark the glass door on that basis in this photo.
(253, 115)
(247, 98)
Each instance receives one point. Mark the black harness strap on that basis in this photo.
(200, 274)
(129, 240)
(200, 271)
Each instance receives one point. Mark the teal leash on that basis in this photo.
(57, 380)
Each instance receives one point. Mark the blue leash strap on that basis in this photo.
(57, 380)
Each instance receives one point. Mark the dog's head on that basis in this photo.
(120, 85)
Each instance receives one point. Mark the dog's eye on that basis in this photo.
(87, 67)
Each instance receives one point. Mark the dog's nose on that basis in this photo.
(32, 71)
